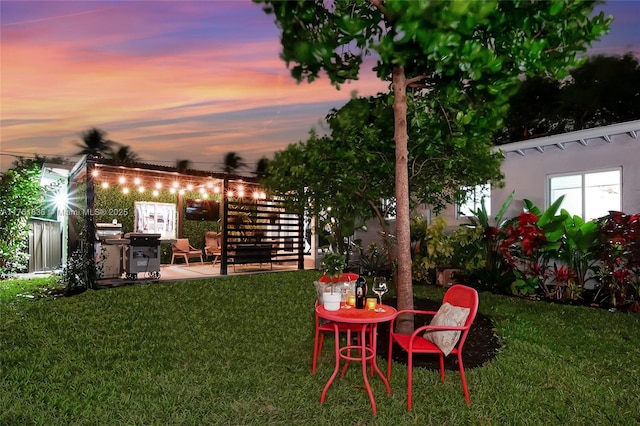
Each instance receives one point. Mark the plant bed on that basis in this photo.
(481, 347)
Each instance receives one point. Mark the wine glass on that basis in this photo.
(380, 288)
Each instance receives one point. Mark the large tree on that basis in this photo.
(604, 90)
(456, 51)
(232, 162)
(341, 178)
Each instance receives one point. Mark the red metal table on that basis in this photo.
(358, 316)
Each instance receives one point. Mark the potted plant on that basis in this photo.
(333, 265)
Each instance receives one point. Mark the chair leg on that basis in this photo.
(464, 379)
(390, 353)
(441, 366)
(410, 381)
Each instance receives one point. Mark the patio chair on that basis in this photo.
(323, 327)
(182, 248)
(445, 334)
(213, 245)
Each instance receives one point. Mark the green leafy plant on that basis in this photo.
(20, 197)
(430, 247)
(333, 264)
(374, 261)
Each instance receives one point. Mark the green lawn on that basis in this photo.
(237, 350)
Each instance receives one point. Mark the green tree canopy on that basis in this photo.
(604, 90)
(459, 52)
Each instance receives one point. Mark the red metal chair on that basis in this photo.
(457, 295)
(327, 326)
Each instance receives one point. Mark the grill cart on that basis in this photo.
(143, 255)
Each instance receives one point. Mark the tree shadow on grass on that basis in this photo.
(481, 346)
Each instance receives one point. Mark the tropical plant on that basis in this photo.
(95, 143)
(430, 246)
(618, 255)
(374, 261)
(124, 154)
(183, 165)
(493, 273)
(463, 58)
(262, 167)
(333, 265)
(232, 162)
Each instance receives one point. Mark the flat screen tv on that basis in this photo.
(202, 210)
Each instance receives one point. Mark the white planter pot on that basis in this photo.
(332, 301)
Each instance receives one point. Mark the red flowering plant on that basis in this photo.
(618, 254)
(521, 250)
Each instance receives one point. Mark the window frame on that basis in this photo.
(582, 174)
(478, 203)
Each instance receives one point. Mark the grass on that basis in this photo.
(237, 350)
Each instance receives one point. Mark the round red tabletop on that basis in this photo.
(353, 315)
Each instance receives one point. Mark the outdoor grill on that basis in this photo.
(143, 255)
(108, 249)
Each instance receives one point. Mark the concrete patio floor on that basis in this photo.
(196, 271)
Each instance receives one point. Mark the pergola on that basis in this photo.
(247, 215)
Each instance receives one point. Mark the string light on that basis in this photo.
(122, 180)
(155, 193)
(105, 185)
(125, 190)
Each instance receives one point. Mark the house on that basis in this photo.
(597, 170)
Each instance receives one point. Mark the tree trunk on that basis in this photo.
(404, 323)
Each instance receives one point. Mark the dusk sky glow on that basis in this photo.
(172, 79)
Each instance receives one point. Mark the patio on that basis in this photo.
(196, 271)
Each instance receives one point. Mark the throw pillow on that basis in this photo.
(447, 315)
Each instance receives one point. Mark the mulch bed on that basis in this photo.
(481, 347)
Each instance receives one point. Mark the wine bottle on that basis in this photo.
(361, 292)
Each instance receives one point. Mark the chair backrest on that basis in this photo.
(212, 240)
(181, 244)
(464, 297)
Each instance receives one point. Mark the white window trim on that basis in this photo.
(547, 193)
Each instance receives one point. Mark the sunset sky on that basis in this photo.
(172, 79)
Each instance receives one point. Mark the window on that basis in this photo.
(589, 195)
(474, 200)
(156, 218)
(388, 208)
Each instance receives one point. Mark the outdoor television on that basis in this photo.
(202, 210)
